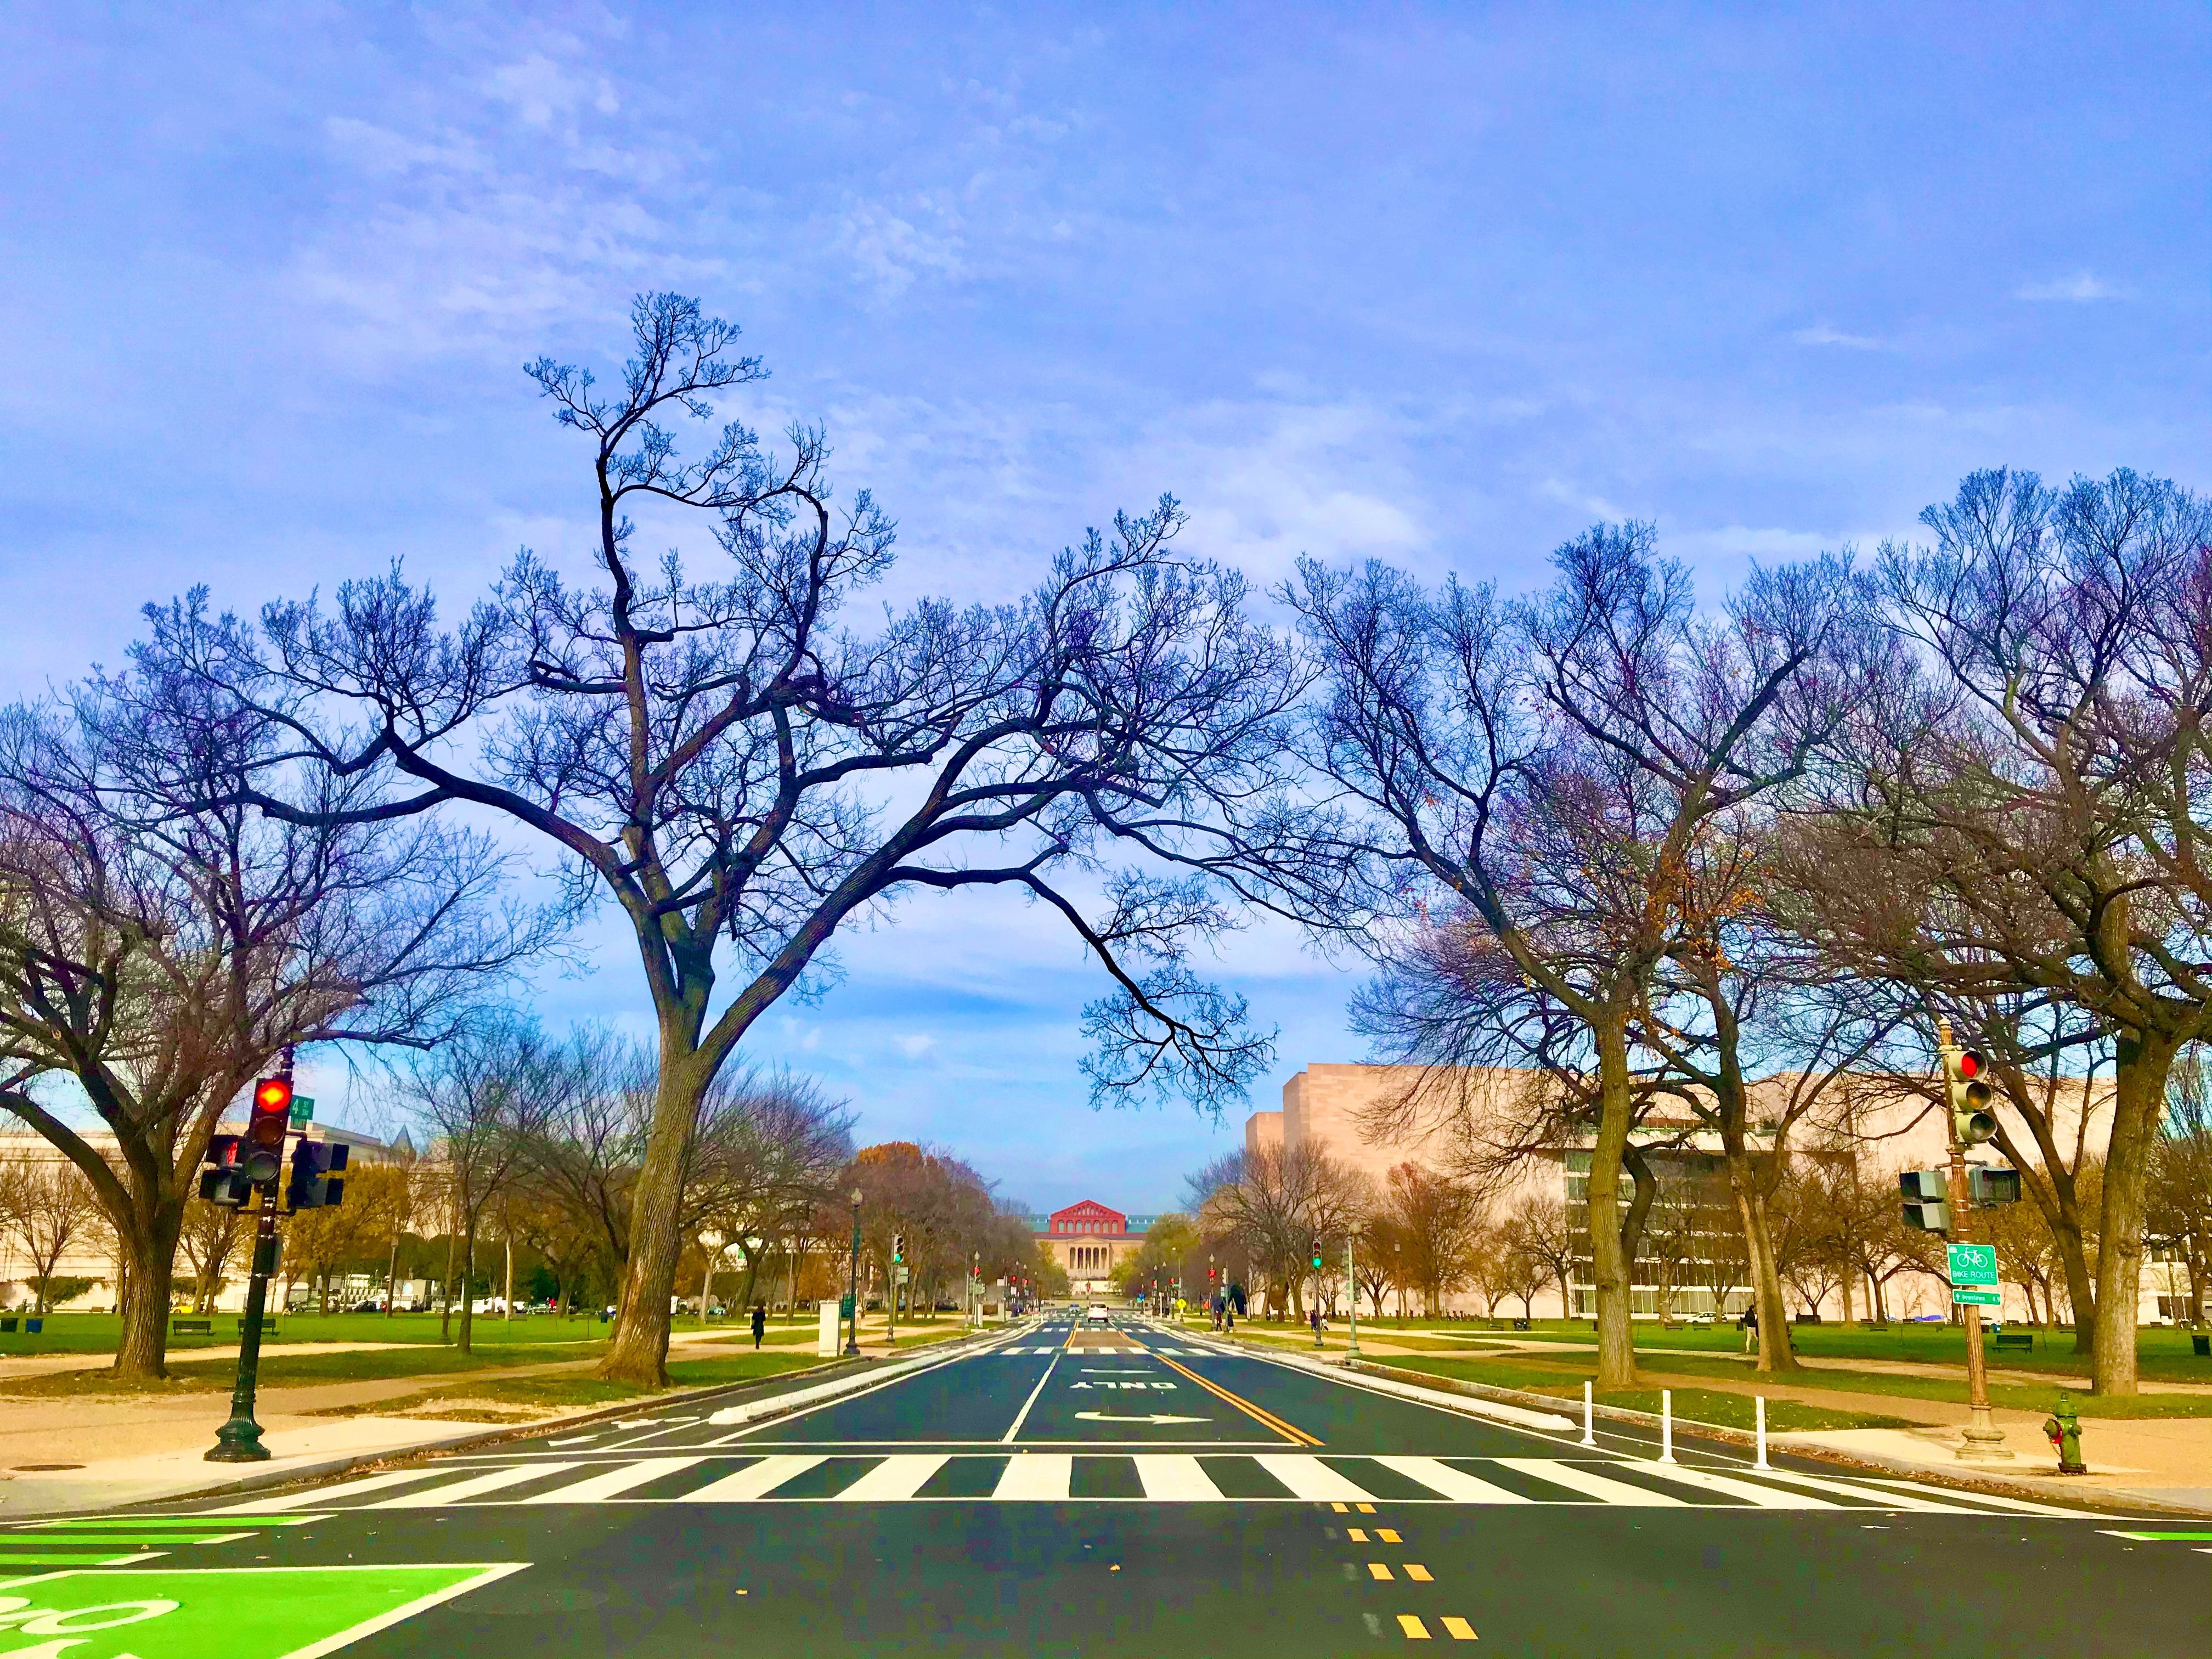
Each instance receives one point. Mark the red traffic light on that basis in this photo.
(272, 1094)
(1970, 1064)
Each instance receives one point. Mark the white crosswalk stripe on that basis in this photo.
(1158, 1478)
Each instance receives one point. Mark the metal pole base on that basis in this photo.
(238, 1441)
(1983, 1442)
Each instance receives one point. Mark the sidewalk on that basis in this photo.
(75, 1454)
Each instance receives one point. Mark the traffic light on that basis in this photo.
(1970, 1095)
(224, 1180)
(263, 1155)
(1926, 1204)
(316, 1180)
(1987, 1188)
(898, 1247)
(1316, 1258)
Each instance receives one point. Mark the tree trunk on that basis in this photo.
(637, 1350)
(468, 1281)
(392, 1277)
(2141, 1064)
(445, 1309)
(142, 1355)
(1609, 1269)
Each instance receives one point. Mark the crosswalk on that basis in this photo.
(1136, 1476)
(1023, 1352)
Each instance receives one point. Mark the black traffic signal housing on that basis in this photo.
(262, 1156)
(1927, 1200)
(1987, 1188)
(898, 1247)
(1316, 1258)
(317, 1182)
(224, 1180)
(1970, 1099)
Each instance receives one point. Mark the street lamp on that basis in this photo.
(853, 1336)
(711, 1243)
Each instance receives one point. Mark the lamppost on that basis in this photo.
(711, 1243)
(1352, 1302)
(976, 1287)
(853, 1336)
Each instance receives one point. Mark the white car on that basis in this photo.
(1098, 1315)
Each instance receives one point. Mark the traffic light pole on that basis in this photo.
(1982, 1442)
(239, 1440)
(1352, 1302)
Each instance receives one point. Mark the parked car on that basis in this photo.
(1700, 1319)
(1098, 1315)
(374, 1304)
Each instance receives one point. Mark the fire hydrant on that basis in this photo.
(2064, 1431)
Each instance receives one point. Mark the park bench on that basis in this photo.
(192, 1328)
(268, 1327)
(31, 1327)
(2025, 1340)
(1805, 1319)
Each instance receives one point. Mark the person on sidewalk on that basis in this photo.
(760, 1324)
(1751, 1327)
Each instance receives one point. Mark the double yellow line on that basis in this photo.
(1260, 1414)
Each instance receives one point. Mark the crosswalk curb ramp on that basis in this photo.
(1164, 1477)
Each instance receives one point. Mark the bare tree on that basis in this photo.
(46, 1207)
(1538, 1228)
(157, 953)
(1436, 1220)
(1544, 767)
(209, 1241)
(742, 770)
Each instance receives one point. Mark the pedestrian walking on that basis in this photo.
(1751, 1327)
(760, 1324)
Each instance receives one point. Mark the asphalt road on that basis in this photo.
(1136, 1492)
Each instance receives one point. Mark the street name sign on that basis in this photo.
(1975, 1298)
(303, 1110)
(1973, 1264)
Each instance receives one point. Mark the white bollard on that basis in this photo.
(1589, 1439)
(1760, 1404)
(1666, 1425)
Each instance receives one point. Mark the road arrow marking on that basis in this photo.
(1104, 1417)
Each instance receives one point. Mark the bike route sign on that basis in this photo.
(1973, 1264)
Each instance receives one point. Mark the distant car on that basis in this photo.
(1098, 1315)
(1925, 1319)
(1700, 1319)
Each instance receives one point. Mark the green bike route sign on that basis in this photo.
(222, 1613)
(1973, 1264)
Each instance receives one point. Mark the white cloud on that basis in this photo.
(1821, 334)
(916, 1046)
(2082, 289)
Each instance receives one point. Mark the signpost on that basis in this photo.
(1973, 1267)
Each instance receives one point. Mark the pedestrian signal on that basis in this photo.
(224, 1180)
(316, 1183)
(1926, 1200)
(1987, 1188)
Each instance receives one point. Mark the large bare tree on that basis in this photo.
(744, 764)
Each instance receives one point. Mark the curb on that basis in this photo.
(394, 1456)
(1920, 1474)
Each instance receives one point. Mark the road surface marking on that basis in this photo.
(1765, 1497)
(754, 1480)
(1309, 1477)
(615, 1482)
(1357, 1535)
(301, 1500)
(1379, 1571)
(1388, 1536)
(1592, 1486)
(1986, 1500)
(475, 1486)
(1176, 1479)
(1886, 1500)
(1296, 1437)
(1413, 1627)
(1023, 1415)
(1036, 1475)
(1418, 1573)
(895, 1478)
(1441, 1478)
(1458, 1628)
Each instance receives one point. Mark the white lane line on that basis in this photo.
(1023, 1415)
(320, 1495)
(1309, 1477)
(1172, 1479)
(895, 1480)
(1591, 1486)
(2017, 1505)
(1457, 1485)
(1886, 1500)
(1030, 1475)
(615, 1482)
(494, 1481)
(754, 1480)
(1765, 1498)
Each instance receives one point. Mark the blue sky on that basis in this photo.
(1439, 284)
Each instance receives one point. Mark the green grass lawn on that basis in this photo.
(76, 1333)
(281, 1370)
